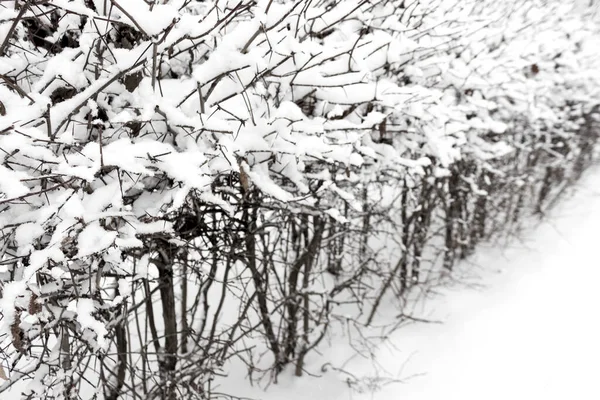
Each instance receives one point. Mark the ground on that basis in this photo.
(529, 330)
(522, 322)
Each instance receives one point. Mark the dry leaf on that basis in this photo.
(62, 94)
(17, 333)
(34, 306)
(132, 81)
(535, 69)
(3, 373)
(244, 180)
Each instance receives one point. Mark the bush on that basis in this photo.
(191, 184)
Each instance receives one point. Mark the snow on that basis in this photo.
(271, 96)
(261, 179)
(85, 308)
(519, 322)
(26, 233)
(10, 185)
(152, 22)
(525, 326)
(93, 238)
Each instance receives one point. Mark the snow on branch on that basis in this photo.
(181, 178)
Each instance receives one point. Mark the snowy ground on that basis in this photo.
(531, 329)
(523, 323)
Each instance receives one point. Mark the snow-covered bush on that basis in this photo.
(187, 185)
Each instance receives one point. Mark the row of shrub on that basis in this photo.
(191, 186)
